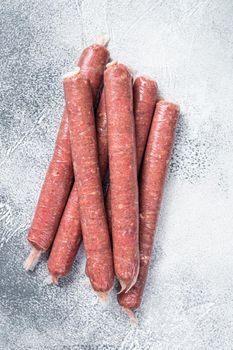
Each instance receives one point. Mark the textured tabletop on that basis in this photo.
(187, 46)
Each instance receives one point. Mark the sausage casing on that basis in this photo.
(123, 173)
(88, 181)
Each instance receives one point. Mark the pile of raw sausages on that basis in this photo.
(129, 135)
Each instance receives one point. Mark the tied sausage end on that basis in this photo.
(112, 63)
(103, 297)
(32, 259)
(131, 315)
(54, 279)
(102, 39)
(51, 279)
(72, 74)
(47, 281)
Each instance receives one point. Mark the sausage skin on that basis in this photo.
(59, 177)
(69, 234)
(99, 265)
(144, 98)
(123, 173)
(154, 168)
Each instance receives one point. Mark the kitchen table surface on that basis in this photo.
(187, 47)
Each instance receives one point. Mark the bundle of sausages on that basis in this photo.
(130, 135)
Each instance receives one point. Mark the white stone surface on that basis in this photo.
(187, 46)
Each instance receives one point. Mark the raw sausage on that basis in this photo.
(155, 163)
(88, 181)
(69, 234)
(144, 97)
(53, 196)
(59, 178)
(123, 172)
(154, 168)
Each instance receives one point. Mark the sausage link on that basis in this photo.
(88, 181)
(69, 234)
(59, 178)
(123, 173)
(54, 193)
(154, 168)
(144, 98)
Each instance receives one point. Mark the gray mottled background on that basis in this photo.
(187, 46)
